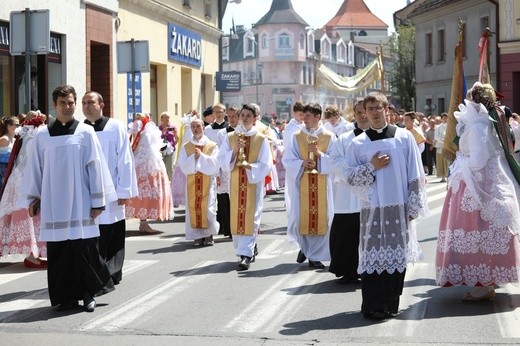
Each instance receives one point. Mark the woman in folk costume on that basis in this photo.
(478, 243)
(155, 197)
(246, 155)
(199, 162)
(19, 233)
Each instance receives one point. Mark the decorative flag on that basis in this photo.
(458, 94)
(484, 76)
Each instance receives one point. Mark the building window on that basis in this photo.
(310, 43)
(207, 9)
(429, 54)
(325, 49)
(264, 41)
(186, 4)
(441, 108)
(249, 45)
(284, 41)
(225, 47)
(442, 46)
(302, 41)
(350, 54)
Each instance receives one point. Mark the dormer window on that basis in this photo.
(310, 43)
(249, 44)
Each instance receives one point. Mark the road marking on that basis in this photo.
(271, 250)
(130, 311)
(8, 277)
(23, 306)
(276, 302)
(507, 313)
(154, 238)
(131, 266)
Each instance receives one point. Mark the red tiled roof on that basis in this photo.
(356, 14)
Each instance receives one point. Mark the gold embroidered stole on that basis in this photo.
(242, 196)
(419, 137)
(198, 189)
(313, 190)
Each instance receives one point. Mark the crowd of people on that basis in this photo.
(353, 190)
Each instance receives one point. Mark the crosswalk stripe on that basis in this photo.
(8, 277)
(507, 314)
(23, 306)
(130, 311)
(275, 303)
(131, 266)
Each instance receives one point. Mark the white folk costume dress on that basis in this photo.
(66, 170)
(19, 233)
(344, 232)
(117, 151)
(155, 197)
(389, 198)
(201, 195)
(478, 241)
(290, 129)
(311, 213)
(246, 188)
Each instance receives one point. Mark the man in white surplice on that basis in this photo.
(66, 170)
(384, 168)
(113, 137)
(313, 246)
(246, 183)
(200, 155)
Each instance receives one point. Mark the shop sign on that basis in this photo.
(229, 81)
(184, 46)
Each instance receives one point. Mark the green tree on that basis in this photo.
(402, 73)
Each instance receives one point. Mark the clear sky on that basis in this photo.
(315, 12)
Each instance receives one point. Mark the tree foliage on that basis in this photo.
(402, 73)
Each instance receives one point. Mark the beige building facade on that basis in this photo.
(183, 38)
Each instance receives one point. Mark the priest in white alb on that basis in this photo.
(114, 141)
(246, 154)
(67, 172)
(384, 169)
(198, 161)
(312, 208)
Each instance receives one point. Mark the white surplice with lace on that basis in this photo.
(389, 198)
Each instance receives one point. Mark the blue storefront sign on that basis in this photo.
(184, 46)
(129, 96)
(229, 81)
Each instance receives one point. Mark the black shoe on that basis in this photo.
(89, 304)
(67, 306)
(301, 257)
(244, 263)
(316, 264)
(208, 241)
